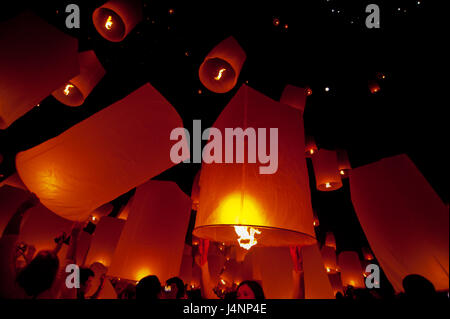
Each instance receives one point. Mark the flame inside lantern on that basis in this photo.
(246, 236)
(109, 23)
(327, 185)
(219, 76)
(67, 89)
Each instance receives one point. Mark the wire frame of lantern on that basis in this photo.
(220, 69)
(116, 18)
(310, 146)
(241, 205)
(75, 91)
(344, 166)
(326, 170)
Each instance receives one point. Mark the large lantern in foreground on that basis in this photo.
(102, 157)
(351, 269)
(326, 170)
(240, 201)
(35, 59)
(220, 69)
(152, 240)
(404, 220)
(116, 18)
(75, 91)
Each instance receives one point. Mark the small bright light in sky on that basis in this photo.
(327, 89)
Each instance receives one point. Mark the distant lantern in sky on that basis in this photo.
(241, 205)
(316, 222)
(367, 254)
(406, 223)
(152, 240)
(295, 97)
(195, 193)
(330, 241)
(343, 163)
(35, 59)
(351, 269)
(326, 170)
(116, 18)
(102, 157)
(374, 87)
(75, 91)
(220, 69)
(310, 146)
(104, 241)
(329, 259)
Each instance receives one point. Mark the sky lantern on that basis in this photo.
(14, 181)
(104, 240)
(367, 254)
(195, 194)
(374, 87)
(405, 221)
(152, 240)
(310, 146)
(295, 97)
(35, 59)
(336, 282)
(330, 240)
(75, 91)
(102, 157)
(220, 69)
(316, 222)
(317, 284)
(329, 259)
(116, 18)
(272, 267)
(240, 205)
(351, 269)
(343, 163)
(326, 170)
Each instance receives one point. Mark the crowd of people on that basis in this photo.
(42, 276)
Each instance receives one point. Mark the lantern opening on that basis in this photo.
(213, 72)
(109, 24)
(246, 236)
(69, 94)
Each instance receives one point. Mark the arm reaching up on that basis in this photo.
(297, 273)
(202, 261)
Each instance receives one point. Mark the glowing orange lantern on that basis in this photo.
(367, 253)
(316, 222)
(317, 285)
(374, 87)
(330, 241)
(75, 91)
(404, 220)
(343, 163)
(326, 170)
(220, 69)
(116, 18)
(329, 259)
(238, 202)
(104, 240)
(102, 157)
(295, 97)
(310, 146)
(152, 240)
(195, 194)
(351, 270)
(35, 59)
